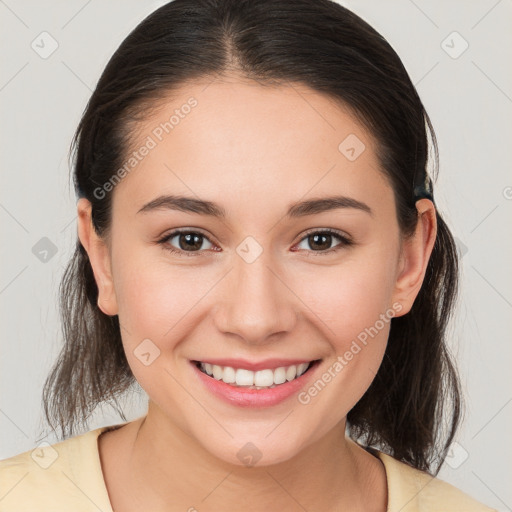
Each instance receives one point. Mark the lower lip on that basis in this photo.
(244, 397)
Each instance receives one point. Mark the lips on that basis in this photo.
(242, 396)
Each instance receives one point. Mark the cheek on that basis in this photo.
(153, 296)
(156, 314)
(153, 299)
(355, 319)
(350, 304)
(355, 322)
(350, 297)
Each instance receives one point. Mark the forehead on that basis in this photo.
(235, 138)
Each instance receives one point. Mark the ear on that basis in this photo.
(99, 256)
(414, 256)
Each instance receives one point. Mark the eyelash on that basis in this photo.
(345, 242)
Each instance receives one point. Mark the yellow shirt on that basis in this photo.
(67, 477)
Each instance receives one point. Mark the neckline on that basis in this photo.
(391, 466)
(98, 469)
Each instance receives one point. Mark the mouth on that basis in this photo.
(265, 378)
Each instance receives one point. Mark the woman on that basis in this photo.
(260, 250)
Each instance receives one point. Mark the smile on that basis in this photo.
(244, 383)
(261, 379)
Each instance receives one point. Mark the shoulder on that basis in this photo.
(410, 490)
(55, 477)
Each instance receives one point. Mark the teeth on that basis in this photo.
(255, 380)
(243, 377)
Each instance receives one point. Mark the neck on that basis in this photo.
(168, 470)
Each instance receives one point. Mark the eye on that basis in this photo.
(188, 242)
(323, 239)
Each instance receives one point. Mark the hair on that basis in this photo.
(412, 409)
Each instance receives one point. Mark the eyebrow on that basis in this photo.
(296, 210)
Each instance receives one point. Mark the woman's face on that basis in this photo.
(256, 283)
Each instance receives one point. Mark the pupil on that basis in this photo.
(324, 245)
(190, 237)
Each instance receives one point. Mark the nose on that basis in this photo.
(255, 302)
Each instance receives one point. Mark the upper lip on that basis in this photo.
(271, 364)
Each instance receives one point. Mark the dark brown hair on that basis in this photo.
(413, 407)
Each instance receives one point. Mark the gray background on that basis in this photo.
(466, 93)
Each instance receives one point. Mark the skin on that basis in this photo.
(254, 150)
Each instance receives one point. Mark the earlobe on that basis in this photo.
(415, 255)
(99, 257)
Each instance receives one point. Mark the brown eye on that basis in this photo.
(185, 242)
(321, 241)
(188, 241)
